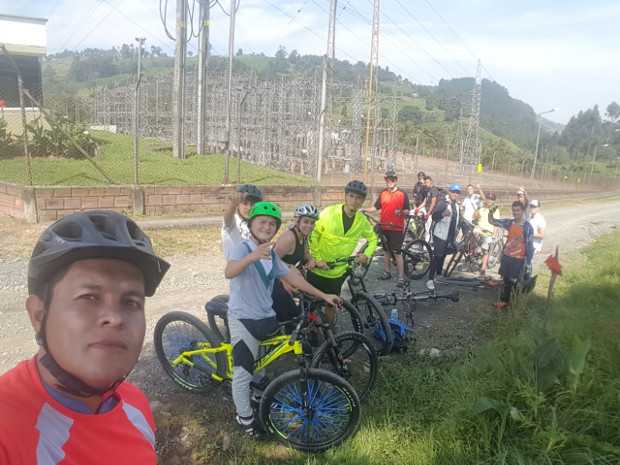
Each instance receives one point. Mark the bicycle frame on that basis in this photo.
(280, 346)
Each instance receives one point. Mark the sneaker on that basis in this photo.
(249, 426)
(402, 283)
(430, 285)
(385, 276)
(501, 305)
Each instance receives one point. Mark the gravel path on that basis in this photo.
(192, 280)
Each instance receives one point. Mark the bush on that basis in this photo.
(55, 140)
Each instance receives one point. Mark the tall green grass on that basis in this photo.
(528, 396)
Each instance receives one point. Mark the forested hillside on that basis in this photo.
(428, 112)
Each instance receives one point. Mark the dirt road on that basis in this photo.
(194, 279)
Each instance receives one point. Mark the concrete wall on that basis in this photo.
(55, 202)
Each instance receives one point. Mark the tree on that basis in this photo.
(613, 112)
(281, 53)
(240, 52)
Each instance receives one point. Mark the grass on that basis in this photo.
(526, 396)
(157, 166)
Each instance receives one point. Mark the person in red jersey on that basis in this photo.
(88, 278)
(393, 204)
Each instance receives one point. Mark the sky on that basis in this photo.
(552, 54)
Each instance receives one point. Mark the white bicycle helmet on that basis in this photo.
(308, 210)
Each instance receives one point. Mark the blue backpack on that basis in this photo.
(400, 333)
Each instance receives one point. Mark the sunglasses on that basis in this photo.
(391, 178)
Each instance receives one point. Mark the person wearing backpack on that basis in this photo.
(446, 217)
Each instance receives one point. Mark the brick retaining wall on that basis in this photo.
(11, 200)
(54, 202)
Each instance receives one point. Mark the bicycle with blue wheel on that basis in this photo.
(309, 408)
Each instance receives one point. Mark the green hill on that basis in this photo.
(429, 113)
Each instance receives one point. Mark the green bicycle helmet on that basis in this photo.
(266, 209)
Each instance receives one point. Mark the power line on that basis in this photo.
(458, 36)
(429, 33)
(432, 76)
(430, 55)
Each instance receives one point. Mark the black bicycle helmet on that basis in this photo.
(356, 187)
(250, 190)
(390, 173)
(94, 234)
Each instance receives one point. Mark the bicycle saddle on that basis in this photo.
(217, 306)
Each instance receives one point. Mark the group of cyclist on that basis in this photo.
(447, 217)
(90, 273)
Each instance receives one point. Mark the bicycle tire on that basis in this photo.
(311, 410)
(169, 346)
(348, 319)
(353, 359)
(495, 254)
(374, 317)
(453, 263)
(418, 256)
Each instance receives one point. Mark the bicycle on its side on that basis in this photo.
(309, 408)
(406, 300)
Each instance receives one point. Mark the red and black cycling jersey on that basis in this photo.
(388, 202)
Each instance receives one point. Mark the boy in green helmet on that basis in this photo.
(252, 268)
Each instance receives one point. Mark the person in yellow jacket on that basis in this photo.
(336, 235)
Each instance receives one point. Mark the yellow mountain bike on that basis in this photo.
(311, 409)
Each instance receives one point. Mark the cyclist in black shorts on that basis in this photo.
(394, 206)
(292, 248)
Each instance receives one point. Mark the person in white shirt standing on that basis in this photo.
(235, 227)
(472, 202)
(537, 220)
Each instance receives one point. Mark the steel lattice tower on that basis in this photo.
(372, 81)
(471, 148)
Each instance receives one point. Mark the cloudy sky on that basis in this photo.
(549, 53)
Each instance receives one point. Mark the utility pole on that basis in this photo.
(178, 88)
(231, 55)
(203, 58)
(539, 115)
(136, 114)
(328, 60)
(374, 61)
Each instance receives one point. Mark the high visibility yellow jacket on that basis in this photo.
(328, 241)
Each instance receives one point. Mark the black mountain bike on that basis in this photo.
(371, 312)
(417, 253)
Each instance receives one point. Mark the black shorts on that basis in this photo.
(327, 285)
(394, 240)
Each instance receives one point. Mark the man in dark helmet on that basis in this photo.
(336, 235)
(88, 278)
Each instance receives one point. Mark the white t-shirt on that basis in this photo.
(537, 221)
(233, 235)
(471, 203)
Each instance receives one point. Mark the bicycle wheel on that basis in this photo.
(353, 358)
(311, 410)
(495, 253)
(376, 326)
(177, 332)
(418, 256)
(348, 319)
(453, 263)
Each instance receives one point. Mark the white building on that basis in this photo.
(25, 39)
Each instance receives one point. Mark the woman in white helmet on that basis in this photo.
(292, 248)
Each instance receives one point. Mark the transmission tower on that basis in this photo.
(471, 149)
(372, 77)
